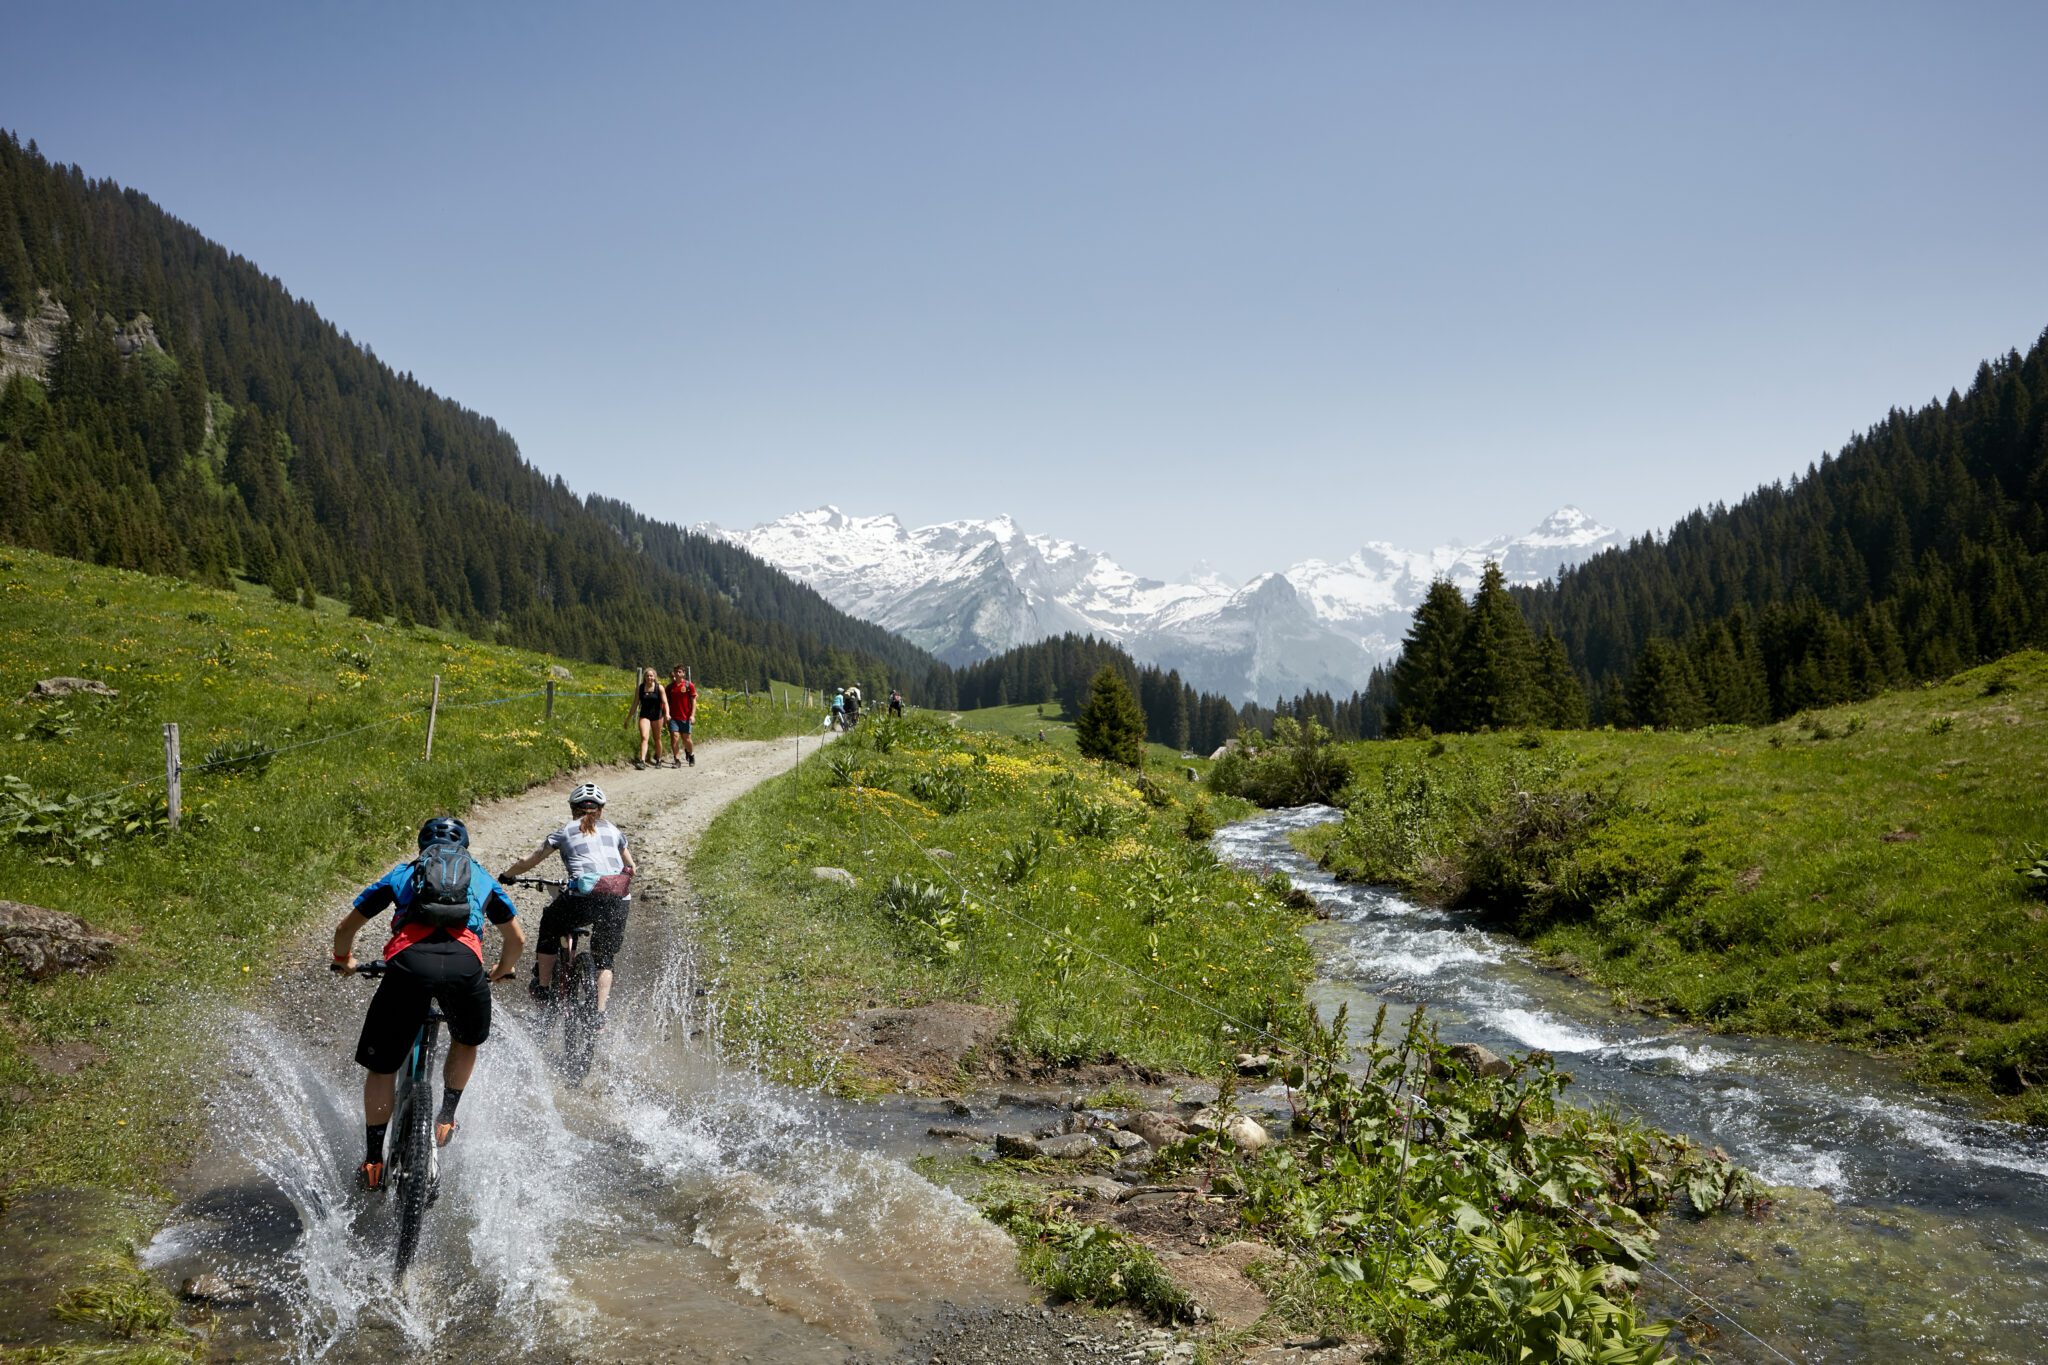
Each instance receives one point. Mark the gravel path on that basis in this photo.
(665, 811)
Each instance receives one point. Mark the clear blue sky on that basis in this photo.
(1248, 281)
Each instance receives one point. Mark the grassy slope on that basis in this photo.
(199, 916)
(800, 954)
(1847, 875)
(1025, 721)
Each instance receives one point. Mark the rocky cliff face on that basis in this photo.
(29, 344)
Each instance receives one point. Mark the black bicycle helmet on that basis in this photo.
(444, 829)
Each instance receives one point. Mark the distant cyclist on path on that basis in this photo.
(682, 710)
(435, 954)
(651, 700)
(592, 849)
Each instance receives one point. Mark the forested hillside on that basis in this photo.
(1919, 550)
(164, 405)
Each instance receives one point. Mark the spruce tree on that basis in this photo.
(1110, 726)
(1662, 690)
(1492, 675)
(1560, 697)
(1421, 677)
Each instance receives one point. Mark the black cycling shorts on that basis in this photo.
(606, 916)
(446, 973)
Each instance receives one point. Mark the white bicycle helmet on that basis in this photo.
(586, 793)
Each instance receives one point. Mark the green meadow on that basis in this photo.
(1101, 861)
(265, 837)
(1857, 874)
(1025, 722)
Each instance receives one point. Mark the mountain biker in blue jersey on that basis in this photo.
(435, 955)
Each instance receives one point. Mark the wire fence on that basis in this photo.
(175, 768)
(1288, 1047)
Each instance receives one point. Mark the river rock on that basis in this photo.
(1255, 1064)
(1016, 1145)
(218, 1291)
(1097, 1187)
(41, 943)
(1158, 1130)
(1198, 1095)
(1246, 1133)
(1205, 1120)
(962, 1134)
(1067, 1146)
(1123, 1139)
(1480, 1061)
(51, 688)
(833, 874)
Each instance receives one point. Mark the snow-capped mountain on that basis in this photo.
(966, 590)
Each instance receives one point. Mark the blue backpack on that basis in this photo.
(440, 887)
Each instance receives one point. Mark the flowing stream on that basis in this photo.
(1915, 1230)
(673, 1207)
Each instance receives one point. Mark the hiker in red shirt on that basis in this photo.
(682, 709)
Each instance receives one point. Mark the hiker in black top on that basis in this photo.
(651, 700)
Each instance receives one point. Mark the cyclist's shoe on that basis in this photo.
(597, 1025)
(693, 760)
(370, 1177)
(444, 1133)
(538, 991)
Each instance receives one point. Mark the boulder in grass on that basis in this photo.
(40, 943)
(833, 874)
(1246, 1133)
(49, 689)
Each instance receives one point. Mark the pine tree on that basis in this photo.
(1110, 726)
(1561, 698)
(1662, 690)
(1421, 677)
(1492, 675)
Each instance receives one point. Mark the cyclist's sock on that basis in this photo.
(373, 1142)
(449, 1099)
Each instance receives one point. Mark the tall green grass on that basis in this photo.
(1856, 874)
(199, 914)
(1035, 836)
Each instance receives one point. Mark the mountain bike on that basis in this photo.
(572, 995)
(412, 1166)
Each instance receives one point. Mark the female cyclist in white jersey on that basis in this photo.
(600, 867)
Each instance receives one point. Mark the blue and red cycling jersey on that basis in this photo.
(487, 900)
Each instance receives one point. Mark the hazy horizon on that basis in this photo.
(1279, 282)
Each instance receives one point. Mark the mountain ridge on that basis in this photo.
(968, 589)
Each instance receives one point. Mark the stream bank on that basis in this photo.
(1917, 1226)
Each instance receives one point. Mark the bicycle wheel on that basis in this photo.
(579, 1024)
(415, 1163)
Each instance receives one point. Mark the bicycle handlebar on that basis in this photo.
(542, 883)
(373, 970)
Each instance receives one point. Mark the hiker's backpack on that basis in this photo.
(440, 887)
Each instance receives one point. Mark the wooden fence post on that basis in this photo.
(173, 769)
(548, 716)
(433, 711)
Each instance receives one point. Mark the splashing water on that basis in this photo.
(672, 1205)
